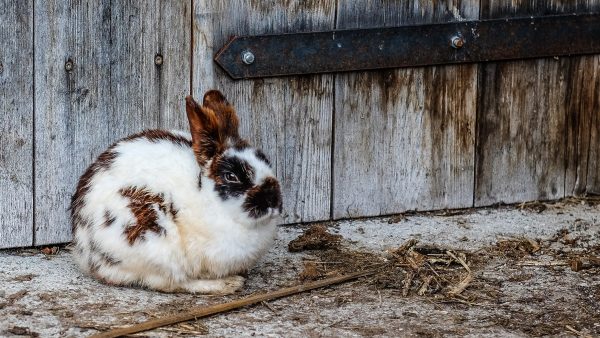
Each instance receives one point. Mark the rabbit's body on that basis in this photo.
(148, 212)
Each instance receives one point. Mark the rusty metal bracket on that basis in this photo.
(449, 43)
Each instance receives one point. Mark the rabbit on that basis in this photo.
(177, 212)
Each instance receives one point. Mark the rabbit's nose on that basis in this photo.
(264, 198)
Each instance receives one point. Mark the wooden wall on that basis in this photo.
(77, 75)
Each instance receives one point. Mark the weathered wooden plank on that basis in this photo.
(289, 118)
(583, 109)
(583, 114)
(404, 138)
(593, 168)
(16, 123)
(114, 88)
(523, 119)
(521, 131)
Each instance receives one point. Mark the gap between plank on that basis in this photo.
(332, 151)
(191, 47)
(33, 190)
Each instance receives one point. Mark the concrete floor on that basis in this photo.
(529, 295)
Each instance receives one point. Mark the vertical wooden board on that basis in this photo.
(289, 118)
(593, 166)
(71, 113)
(115, 88)
(521, 131)
(16, 123)
(583, 109)
(404, 138)
(522, 121)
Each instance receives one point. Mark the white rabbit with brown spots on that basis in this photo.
(175, 212)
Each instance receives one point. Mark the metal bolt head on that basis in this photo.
(158, 59)
(457, 41)
(69, 65)
(248, 57)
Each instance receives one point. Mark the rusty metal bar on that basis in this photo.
(408, 46)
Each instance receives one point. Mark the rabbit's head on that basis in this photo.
(241, 174)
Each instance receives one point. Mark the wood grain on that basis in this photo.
(522, 150)
(593, 167)
(16, 123)
(114, 89)
(583, 109)
(404, 138)
(289, 118)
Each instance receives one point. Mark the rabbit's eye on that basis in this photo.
(231, 178)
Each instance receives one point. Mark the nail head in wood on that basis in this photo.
(158, 60)
(69, 65)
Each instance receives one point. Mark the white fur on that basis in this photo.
(209, 242)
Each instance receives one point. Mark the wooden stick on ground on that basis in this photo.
(465, 282)
(460, 287)
(218, 308)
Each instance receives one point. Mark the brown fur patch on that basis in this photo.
(103, 162)
(155, 135)
(143, 204)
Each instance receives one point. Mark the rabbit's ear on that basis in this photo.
(215, 100)
(205, 127)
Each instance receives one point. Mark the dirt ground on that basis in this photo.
(526, 270)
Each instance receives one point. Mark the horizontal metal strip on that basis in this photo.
(407, 46)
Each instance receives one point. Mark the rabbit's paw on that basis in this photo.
(224, 286)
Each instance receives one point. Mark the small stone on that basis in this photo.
(395, 315)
